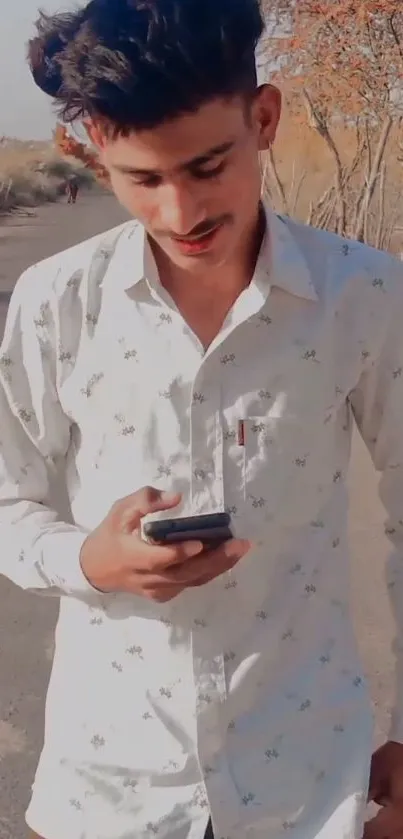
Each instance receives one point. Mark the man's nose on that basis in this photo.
(180, 210)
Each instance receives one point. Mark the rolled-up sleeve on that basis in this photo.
(38, 550)
(377, 403)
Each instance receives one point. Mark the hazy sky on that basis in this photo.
(24, 111)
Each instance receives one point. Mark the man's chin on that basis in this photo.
(197, 265)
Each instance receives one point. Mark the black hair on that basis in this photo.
(137, 63)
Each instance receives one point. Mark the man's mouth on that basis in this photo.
(197, 244)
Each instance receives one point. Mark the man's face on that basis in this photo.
(195, 182)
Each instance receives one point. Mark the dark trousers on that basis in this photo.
(209, 832)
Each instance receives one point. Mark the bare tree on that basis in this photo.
(343, 61)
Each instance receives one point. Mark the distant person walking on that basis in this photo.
(72, 191)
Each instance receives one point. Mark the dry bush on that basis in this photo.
(33, 173)
(299, 177)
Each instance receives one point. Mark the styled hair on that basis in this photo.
(136, 63)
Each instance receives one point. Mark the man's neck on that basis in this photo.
(223, 281)
(204, 300)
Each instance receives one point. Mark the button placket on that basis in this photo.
(208, 663)
(211, 693)
(206, 478)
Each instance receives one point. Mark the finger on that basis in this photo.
(194, 572)
(209, 564)
(395, 790)
(375, 793)
(129, 511)
(214, 567)
(387, 824)
(376, 779)
(158, 559)
(381, 800)
(229, 549)
(160, 593)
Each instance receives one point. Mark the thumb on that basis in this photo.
(377, 776)
(143, 503)
(383, 824)
(375, 788)
(396, 785)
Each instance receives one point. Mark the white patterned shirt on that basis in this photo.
(245, 698)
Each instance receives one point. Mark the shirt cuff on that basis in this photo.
(58, 562)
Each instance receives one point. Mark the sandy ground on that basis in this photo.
(26, 621)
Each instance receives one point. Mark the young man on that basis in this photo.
(207, 356)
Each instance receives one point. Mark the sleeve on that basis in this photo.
(39, 551)
(377, 404)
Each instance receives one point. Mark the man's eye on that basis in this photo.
(151, 181)
(210, 173)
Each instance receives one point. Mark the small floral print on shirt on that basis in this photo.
(215, 701)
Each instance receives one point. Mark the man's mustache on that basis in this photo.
(202, 229)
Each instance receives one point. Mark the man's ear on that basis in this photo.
(266, 114)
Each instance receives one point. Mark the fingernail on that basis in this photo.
(245, 545)
(193, 548)
(169, 496)
(238, 549)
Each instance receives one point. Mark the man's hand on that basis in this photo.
(115, 558)
(386, 789)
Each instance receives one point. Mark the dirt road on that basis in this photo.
(26, 622)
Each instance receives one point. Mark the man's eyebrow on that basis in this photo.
(216, 151)
(200, 160)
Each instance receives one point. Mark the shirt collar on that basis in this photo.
(282, 259)
(132, 259)
(281, 262)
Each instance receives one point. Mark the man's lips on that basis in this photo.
(197, 243)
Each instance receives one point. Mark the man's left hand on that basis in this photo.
(386, 789)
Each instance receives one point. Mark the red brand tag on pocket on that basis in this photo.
(241, 433)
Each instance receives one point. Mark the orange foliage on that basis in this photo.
(71, 147)
(348, 53)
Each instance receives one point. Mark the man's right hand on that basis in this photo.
(114, 558)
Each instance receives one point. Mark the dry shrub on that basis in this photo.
(299, 177)
(33, 173)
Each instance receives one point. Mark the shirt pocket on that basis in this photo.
(281, 475)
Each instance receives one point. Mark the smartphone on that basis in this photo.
(211, 529)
